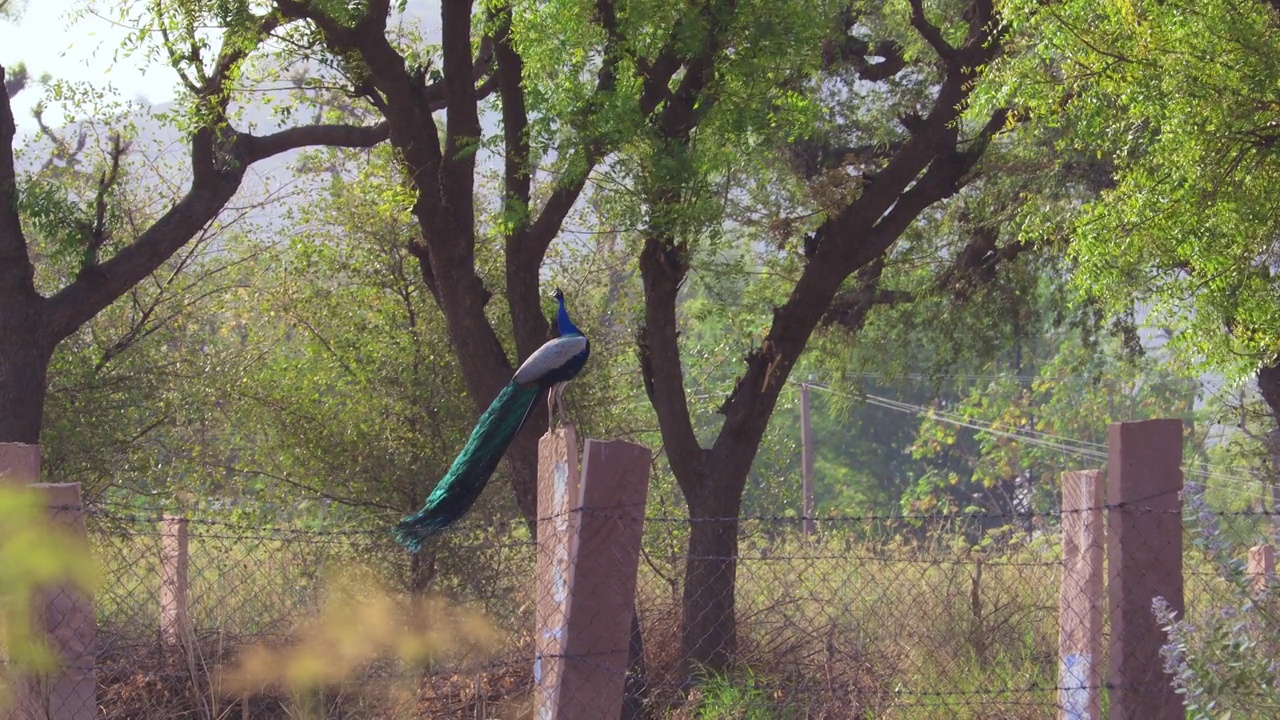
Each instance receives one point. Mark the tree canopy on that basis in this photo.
(1177, 98)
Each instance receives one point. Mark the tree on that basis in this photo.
(38, 310)
(651, 87)
(871, 178)
(1043, 417)
(407, 81)
(1177, 97)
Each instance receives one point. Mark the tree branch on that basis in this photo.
(527, 246)
(931, 33)
(16, 270)
(99, 285)
(854, 52)
(928, 167)
(978, 261)
(406, 101)
(257, 148)
(892, 64)
(812, 158)
(16, 81)
(375, 17)
(693, 97)
(515, 119)
(851, 308)
(663, 268)
(98, 234)
(664, 259)
(462, 123)
(334, 31)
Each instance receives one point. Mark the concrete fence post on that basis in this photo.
(1081, 597)
(806, 462)
(557, 530)
(63, 615)
(175, 619)
(589, 535)
(1262, 566)
(19, 464)
(615, 485)
(1144, 558)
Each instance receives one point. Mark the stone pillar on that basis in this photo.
(1144, 558)
(175, 619)
(1081, 597)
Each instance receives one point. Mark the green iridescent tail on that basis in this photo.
(458, 489)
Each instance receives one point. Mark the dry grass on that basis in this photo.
(839, 627)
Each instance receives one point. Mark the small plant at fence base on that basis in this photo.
(1219, 664)
(361, 624)
(1223, 658)
(731, 697)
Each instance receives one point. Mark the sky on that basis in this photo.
(55, 37)
(49, 40)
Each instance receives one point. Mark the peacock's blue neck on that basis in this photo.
(563, 323)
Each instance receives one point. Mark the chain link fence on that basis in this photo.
(282, 621)
(876, 616)
(918, 616)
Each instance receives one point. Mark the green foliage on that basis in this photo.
(357, 400)
(80, 205)
(1221, 653)
(739, 697)
(1012, 358)
(128, 403)
(1176, 97)
(1044, 418)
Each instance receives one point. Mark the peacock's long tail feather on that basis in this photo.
(458, 489)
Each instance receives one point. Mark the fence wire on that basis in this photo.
(899, 616)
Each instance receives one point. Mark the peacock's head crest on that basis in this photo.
(563, 323)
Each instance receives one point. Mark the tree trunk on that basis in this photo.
(1269, 388)
(24, 367)
(711, 565)
(635, 693)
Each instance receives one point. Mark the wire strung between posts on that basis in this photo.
(1059, 443)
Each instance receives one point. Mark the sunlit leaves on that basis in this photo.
(1029, 425)
(1179, 96)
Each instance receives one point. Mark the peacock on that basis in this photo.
(549, 368)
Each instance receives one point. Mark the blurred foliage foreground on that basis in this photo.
(34, 554)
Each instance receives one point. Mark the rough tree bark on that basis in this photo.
(932, 163)
(25, 352)
(32, 324)
(1268, 377)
